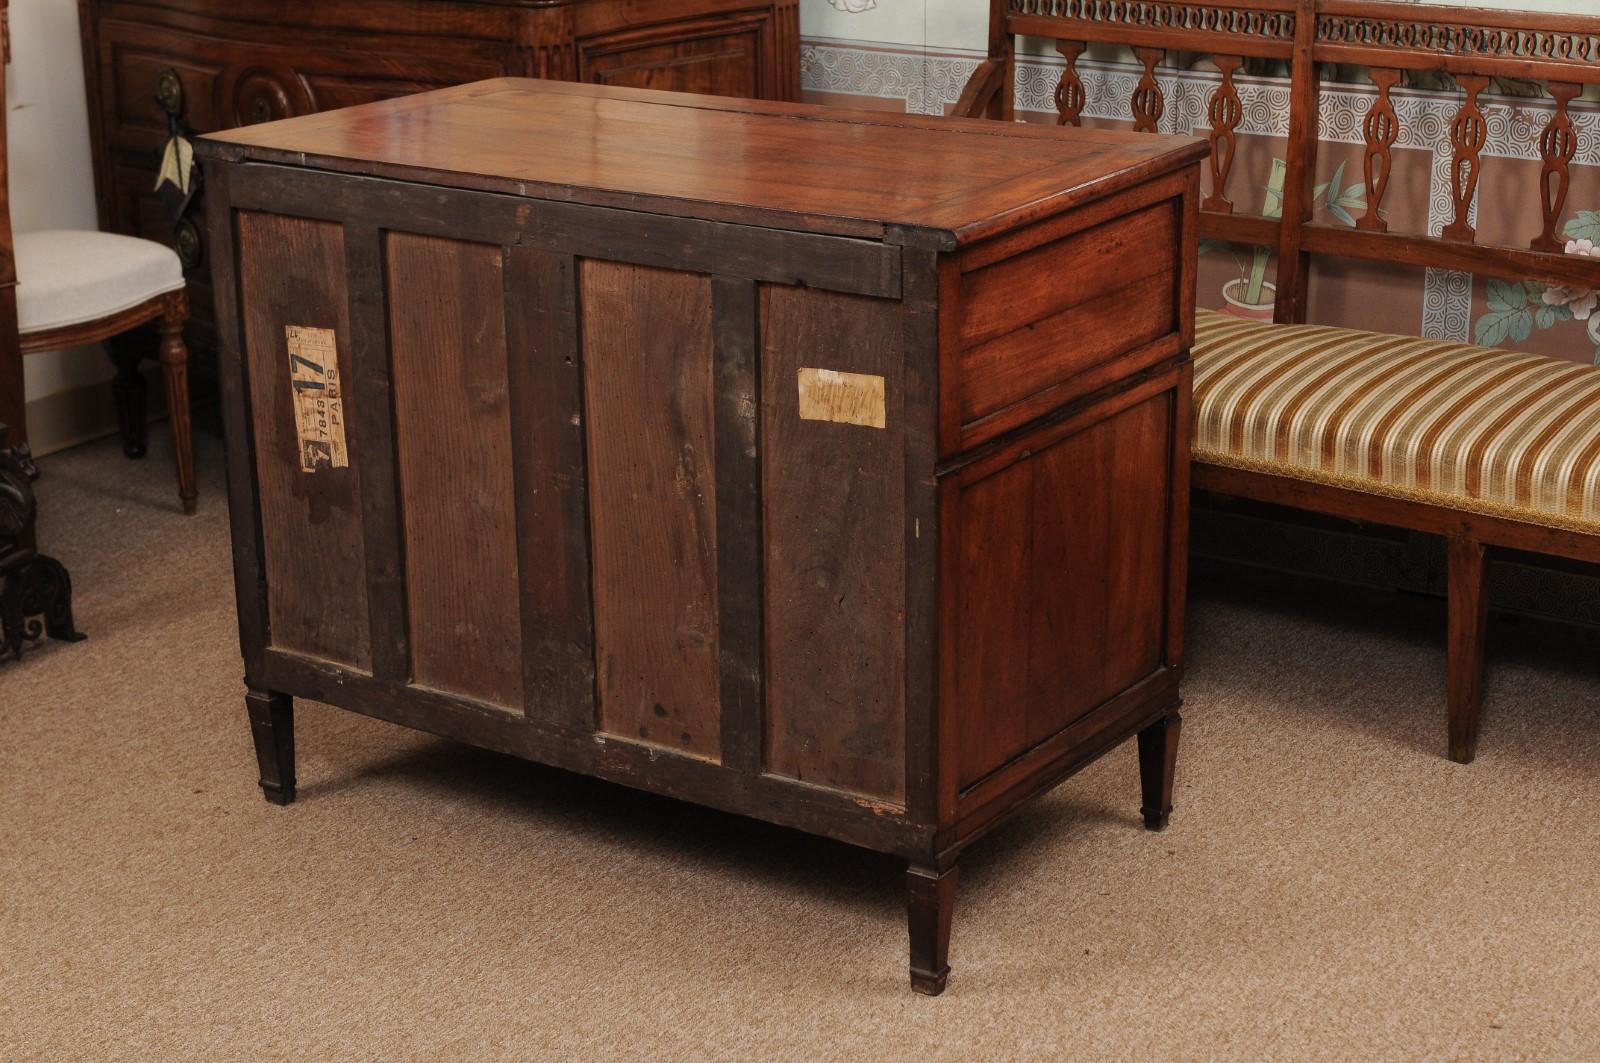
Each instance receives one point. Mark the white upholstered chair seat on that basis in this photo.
(71, 277)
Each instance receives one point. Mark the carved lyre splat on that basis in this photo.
(1148, 104)
(1070, 95)
(1225, 112)
(1381, 128)
(1558, 144)
(1468, 133)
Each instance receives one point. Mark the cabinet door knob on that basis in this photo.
(169, 92)
(186, 241)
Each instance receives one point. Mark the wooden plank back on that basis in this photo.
(452, 429)
(834, 525)
(311, 521)
(653, 504)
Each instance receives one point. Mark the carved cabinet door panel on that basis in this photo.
(722, 56)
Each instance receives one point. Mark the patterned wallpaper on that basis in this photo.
(899, 54)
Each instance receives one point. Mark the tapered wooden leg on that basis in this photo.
(272, 727)
(1469, 621)
(175, 367)
(930, 899)
(1158, 764)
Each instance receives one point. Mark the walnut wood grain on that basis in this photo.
(311, 527)
(1469, 132)
(518, 131)
(1158, 765)
(1558, 146)
(1380, 128)
(931, 898)
(1070, 96)
(1109, 290)
(548, 457)
(1468, 601)
(1148, 103)
(648, 381)
(1225, 112)
(717, 429)
(741, 573)
(452, 421)
(835, 566)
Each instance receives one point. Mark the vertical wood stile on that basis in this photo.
(1380, 129)
(1468, 134)
(1070, 94)
(1002, 49)
(947, 754)
(739, 543)
(1225, 112)
(244, 511)
(1148, 102)
(1558, 145)
(1293, 264)
(545, 374)
(1178, 519)
(920, 275)
(374, 451)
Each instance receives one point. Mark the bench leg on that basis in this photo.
(930, 900)
(1158, 765)
(1469, 618)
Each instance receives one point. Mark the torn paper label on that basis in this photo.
(318, 402)
(848, 398)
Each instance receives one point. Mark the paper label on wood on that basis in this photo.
(848, 398)
(318, 402)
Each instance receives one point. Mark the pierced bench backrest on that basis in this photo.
(1471, 45)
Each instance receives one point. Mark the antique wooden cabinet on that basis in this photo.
(207, 65)
(822, 466)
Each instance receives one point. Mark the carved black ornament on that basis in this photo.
(35, 590)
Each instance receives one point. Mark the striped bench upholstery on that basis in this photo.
(1472, 428)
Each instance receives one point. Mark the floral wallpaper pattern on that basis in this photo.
(1517, 308)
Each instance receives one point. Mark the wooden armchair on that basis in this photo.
(64, 288)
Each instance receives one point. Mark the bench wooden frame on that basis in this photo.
(1473, 46)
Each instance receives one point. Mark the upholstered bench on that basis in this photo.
(1484, 447)
(1499, 433)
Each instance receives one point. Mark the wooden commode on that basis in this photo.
(825, 467)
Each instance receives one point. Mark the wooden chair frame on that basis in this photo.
(1470, 44)
(168, 311)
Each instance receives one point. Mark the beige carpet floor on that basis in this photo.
(1330, 888)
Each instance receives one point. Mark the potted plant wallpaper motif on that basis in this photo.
(1516, 308)
(1251, 295)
